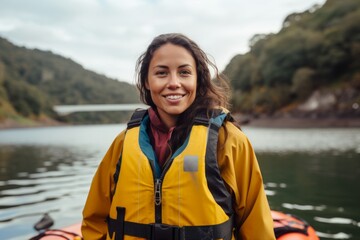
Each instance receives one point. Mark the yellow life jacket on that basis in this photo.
(186, 200)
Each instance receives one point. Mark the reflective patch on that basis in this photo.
(191, 163)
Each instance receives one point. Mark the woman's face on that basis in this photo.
(172, 81)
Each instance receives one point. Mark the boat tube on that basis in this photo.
(290, 227)
(72, 232)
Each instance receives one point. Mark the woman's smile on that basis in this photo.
(174, 96)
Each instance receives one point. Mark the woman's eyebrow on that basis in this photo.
(160, 66)
(185, 65)
(165, 66)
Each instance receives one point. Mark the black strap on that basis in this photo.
(203, 118)
(160, 231)
(215, 182)
(136, 118)
(117, 225)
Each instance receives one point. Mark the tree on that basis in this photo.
(303, 82)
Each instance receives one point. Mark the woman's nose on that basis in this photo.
(174, 81)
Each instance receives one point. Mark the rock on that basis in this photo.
(318, 102)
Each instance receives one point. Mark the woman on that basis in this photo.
(181, 169)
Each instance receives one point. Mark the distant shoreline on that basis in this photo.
(264, 122)
(292, 122)
(12, 124)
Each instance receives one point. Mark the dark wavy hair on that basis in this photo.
(210, 93)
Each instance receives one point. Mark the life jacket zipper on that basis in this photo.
(158, 191)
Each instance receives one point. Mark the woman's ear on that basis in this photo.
(147, 85)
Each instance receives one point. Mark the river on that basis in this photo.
(311, 173)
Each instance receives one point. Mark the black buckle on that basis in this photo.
(166, 232)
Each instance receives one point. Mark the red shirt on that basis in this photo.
(160, 137)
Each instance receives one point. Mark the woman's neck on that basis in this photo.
(164, 122)
(168, 120)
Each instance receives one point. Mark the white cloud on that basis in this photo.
(107, 36)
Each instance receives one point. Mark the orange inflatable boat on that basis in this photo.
(286, 227)
(72, 232)
(289, 227)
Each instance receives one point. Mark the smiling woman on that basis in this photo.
(186, 146)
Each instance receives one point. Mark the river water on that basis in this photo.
(311, 173)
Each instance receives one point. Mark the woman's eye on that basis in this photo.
(185, 72)
(161, 73)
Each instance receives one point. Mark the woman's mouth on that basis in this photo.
(173, 97)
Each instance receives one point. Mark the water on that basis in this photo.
(312, 173)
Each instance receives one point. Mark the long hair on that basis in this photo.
(210, 93)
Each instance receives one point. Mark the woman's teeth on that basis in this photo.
(174, 97)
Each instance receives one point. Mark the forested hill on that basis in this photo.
(310, 68)
(32, 81)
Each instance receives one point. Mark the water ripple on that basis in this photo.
(339, 235)
(337, 220)
(303, 207)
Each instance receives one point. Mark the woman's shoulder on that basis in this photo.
(120, 137)
(229, 131)
(233, 129)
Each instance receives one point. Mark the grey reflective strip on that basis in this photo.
(191, 163)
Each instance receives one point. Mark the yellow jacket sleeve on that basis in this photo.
(98, 202)
(240, 170)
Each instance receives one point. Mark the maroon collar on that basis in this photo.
(156, 122)
(160, 136)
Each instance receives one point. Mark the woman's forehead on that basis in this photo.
(172, 54)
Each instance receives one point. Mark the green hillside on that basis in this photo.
(310, 68)
(33, 81)
(313, 59)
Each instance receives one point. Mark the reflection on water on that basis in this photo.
(319, 187)
(309, 173)
(42, 179)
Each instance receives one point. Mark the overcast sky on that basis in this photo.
(107, 36)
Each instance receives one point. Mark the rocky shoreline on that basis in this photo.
(323, 109)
